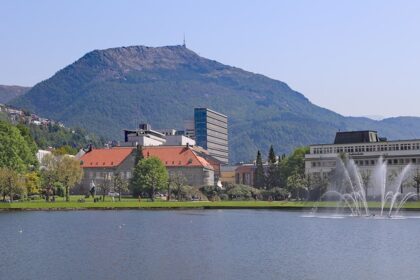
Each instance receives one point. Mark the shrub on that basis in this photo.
(241, 192)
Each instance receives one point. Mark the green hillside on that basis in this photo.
(106, 91)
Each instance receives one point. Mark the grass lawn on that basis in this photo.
(133, 203)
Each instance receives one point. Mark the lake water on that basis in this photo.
(207, 244)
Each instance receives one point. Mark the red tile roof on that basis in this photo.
(98, 158)
(176, 156)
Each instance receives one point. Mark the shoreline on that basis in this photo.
(15, 207)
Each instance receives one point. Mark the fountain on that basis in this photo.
(350, 186)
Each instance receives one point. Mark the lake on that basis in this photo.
(205, 244)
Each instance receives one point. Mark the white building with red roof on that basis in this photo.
(100, 164)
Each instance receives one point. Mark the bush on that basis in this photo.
(189, 193)
(275, 194)
(59, 189)
(211, 192)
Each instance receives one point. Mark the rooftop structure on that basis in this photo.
(143, 136)
(366, 136)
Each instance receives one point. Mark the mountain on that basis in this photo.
(8, 93)
(108, 90)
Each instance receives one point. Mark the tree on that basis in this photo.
(297, 184)
(272, 179)
(139, 154)
(150, 176)
(317, 186)
(134, 179)
(416, 179)
(366, 179)
(105, 186)
(259, 176)
(15, 152)
(63, 169)
(10, 183)
(120, 185)
(32, 183)
(69, 173)
(178, 181)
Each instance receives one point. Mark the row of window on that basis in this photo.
(370, 162)
(107, 175)
(368, 148)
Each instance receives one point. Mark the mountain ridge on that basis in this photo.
(9, 92)
(108, 90)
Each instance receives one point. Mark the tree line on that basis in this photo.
(287, 173)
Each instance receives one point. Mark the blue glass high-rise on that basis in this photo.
(211, 133)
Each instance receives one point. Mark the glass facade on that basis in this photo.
(211, 133)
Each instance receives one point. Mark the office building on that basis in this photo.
(211, 133)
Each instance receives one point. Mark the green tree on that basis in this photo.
(65, 150)
(150, 176)
(295, 163)
(69, 173)
(259, 176)
(177, 180)
(15, 153)
(139, 154)
(416, 179)
(63, 169)
(105, 186)
(297, 184)
(134, 179)
(10, 183)
(273, 179)
(120, 185)
(26, 134)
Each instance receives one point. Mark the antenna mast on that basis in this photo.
(184, 44)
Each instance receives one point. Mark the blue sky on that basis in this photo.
(353, 57)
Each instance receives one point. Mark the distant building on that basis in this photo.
(189, 129)
(227, 174)
(176, 138)
(245, 173)
(143, 136)
(211, 133)
(40, 154)
(179, 140)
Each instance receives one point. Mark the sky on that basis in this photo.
(355, 57)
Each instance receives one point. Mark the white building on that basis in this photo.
(41, 154)
(143, 136)
(365, 148)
